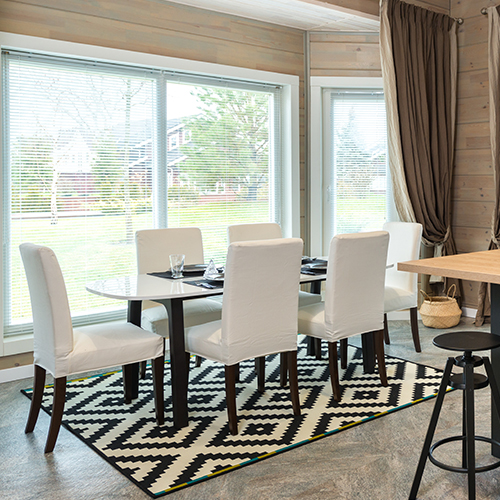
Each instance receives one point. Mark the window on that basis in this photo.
(355, 162)
(87, 162)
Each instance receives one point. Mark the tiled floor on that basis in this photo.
(375, 460)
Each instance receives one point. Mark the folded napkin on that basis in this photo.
(206, 283)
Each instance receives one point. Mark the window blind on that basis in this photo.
(94, 151)
(357, 170)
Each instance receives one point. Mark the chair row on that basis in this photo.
(258, 315)
(155, 245)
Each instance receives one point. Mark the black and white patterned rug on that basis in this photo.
(163, 459)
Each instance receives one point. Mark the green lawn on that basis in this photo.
(95, 247)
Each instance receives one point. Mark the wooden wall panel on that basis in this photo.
(473, 188)
(344, 55)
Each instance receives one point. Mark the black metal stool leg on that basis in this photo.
(432, 427)
(495, 393)
(470, 434)
(464, 431)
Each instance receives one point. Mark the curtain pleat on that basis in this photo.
(419, 67)
(484, 304)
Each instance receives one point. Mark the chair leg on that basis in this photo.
(294, 383)
(261, 373)
(379, 351)
(283, 369)
(57, 413)
(197, 361)
(334, 370)
(317, 348)
(343, 354)
(414, 329)
(142, 369)
(36, 398)
(386, 330)
(230, 376)
(158, 366)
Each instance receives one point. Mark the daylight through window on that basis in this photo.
(93, 152)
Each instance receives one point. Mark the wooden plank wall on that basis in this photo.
(473, 187)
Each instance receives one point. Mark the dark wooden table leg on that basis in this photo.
(495, 363)
(311, 345)
(131, 372)
(368, 352)
(178, 362)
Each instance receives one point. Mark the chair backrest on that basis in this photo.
(53, 331)
(154, 247)
(404, 244)
(247, 232)
(260, 301)
(354, 294)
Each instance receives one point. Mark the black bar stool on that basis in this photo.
(468, 381)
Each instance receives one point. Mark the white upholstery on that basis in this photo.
(354, 295)
(401, 288)
(62, 350)
(154, 246)
(266, 231)
(257, 231)
(260, 304)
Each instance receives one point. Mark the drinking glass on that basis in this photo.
(177, 265)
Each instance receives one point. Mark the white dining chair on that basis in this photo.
(154, 246)
(265, 231)
(354, 298)
(259, 314)
(401, 288)
(63, 350)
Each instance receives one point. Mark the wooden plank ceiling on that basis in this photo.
(308, 15)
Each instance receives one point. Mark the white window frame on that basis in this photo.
(290, 138)
(319, 195)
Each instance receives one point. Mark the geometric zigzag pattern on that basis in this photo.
(163, 459)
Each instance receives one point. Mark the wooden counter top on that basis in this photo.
(474, 266)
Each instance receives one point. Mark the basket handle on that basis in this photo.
(454, 290)
(426, 297)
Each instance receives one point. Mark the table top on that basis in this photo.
(147, 287)
(475, 266)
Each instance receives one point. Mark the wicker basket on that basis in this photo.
(440, 312)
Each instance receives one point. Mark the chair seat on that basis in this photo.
(312, 320)
(306, 298)
(396, 299)
(206, 339)
(102, 346)
(197, 311)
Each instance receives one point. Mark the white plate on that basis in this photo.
(215, 277)
(319, 267)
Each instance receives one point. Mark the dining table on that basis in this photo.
(171, 293)
(483, 267)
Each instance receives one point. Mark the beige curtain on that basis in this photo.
(484, 304)
(419, 68)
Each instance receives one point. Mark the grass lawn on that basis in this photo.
(95, 247)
